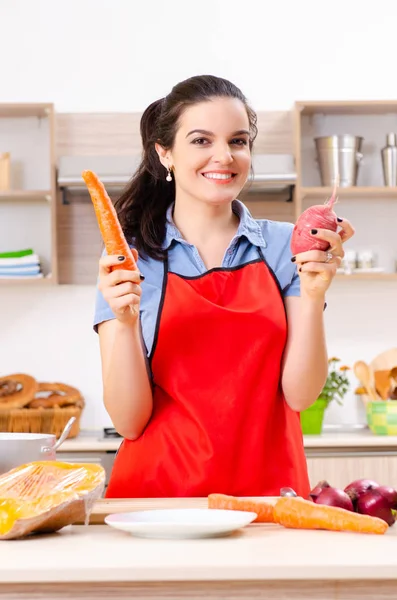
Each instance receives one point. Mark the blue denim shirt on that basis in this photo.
(273, 237)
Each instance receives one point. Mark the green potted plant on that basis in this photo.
(335, 388)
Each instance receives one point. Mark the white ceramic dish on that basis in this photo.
(181, 523)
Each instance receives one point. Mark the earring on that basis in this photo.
(169, 178)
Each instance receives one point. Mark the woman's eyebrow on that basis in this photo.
(205, 132)
(202, 131)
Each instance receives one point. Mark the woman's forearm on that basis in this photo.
(305, 366)
(126, 385)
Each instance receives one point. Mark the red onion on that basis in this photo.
(389, 493)
(320, 216)
(318, 488)
(359, 487)
(333, 497)
(372, 503)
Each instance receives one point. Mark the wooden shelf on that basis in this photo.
(350, 192)
(356, 107)
(25, 196)
(25, 110)
(28, 133)
(367, 276)
(26, 281)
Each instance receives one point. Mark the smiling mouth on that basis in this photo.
(219, 176)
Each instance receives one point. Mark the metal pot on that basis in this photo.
(20, 448)
(339, 156)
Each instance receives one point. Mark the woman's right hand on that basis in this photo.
(120, 288)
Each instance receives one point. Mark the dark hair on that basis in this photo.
(143, 204)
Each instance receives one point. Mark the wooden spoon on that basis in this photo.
(393, 374)
(363, 374)
(383, 383)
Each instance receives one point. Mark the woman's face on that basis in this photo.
(211, 157)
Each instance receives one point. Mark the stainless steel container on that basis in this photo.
(389, 160)
(20, 448)
(339, 155)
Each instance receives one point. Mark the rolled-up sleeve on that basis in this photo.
(102, 311)
(293, 288)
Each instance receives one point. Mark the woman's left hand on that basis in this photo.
(317, 268)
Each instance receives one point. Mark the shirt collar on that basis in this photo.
(248, 227)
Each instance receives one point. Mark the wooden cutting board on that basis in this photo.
(104, 507)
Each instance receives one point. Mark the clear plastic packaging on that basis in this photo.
(45, 496)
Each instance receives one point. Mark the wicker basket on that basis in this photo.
(38, 407)
(40, 420)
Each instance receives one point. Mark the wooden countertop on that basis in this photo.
(262, 561)
(93, 441)
(98, 553)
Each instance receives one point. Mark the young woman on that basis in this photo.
(213, 349)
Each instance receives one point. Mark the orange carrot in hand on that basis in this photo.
(264, 510)
(109, 225)
(297, 513)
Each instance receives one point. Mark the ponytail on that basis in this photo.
(143, 205)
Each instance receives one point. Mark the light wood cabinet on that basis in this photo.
(340, 469)
(339, 466)
(370, 205)
(67, 237)
(28, 207)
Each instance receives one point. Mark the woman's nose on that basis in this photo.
(222, 154)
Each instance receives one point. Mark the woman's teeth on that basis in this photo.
(218, 175)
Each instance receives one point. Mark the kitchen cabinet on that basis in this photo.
(341, 469)
(338, 458)
(67, 234)
(370, 205)
(28, 207)
(103, 458)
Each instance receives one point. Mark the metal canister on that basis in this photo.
(339, 155)
(389, 160)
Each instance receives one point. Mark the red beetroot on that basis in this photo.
(320, 216)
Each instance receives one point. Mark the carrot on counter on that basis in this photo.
(109, 225)
(297, 513)
(263, 509)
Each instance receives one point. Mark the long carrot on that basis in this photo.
(297, 513)
(264, 510)
(109, 225)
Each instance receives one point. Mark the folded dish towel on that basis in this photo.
(16, 253)
(22, 263)
(32, 259)
(29, 270)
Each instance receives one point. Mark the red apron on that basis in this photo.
(220, 422)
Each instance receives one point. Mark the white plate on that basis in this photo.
(181, 523)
